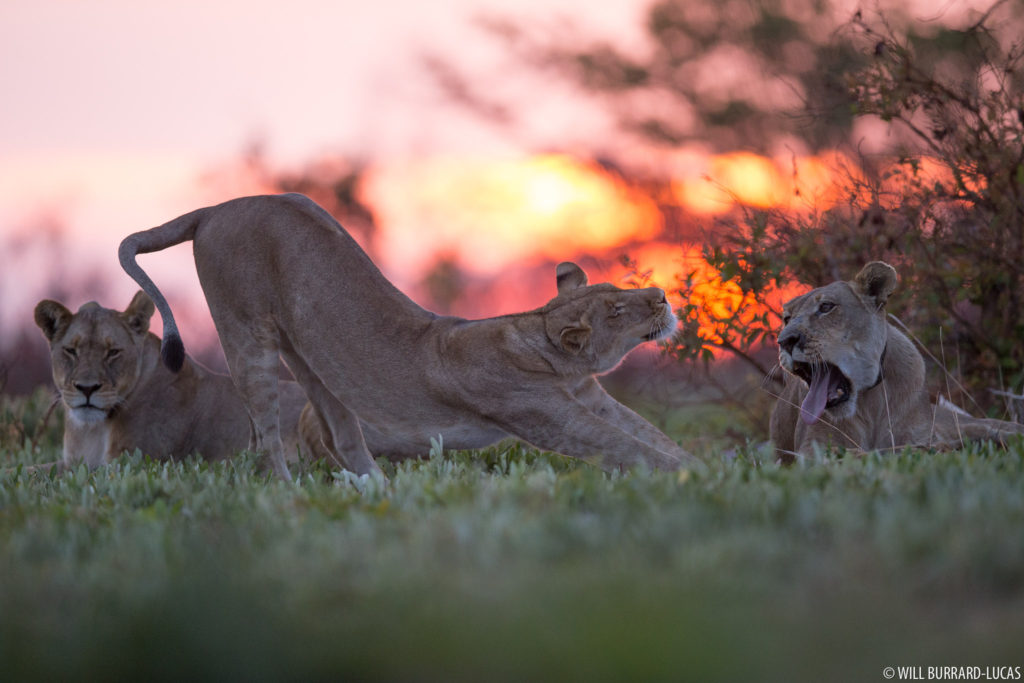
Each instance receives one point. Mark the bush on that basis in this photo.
(947, 210)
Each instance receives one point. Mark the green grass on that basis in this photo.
(508, 564)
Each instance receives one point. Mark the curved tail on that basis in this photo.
(181, 229)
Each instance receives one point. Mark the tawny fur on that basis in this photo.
(844, 323)
(282, 277)
(119, 397)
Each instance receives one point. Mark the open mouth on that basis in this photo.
(827, 387)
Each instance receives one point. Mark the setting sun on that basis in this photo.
(758, 181)
(491, 214)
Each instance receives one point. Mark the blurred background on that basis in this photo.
(470, 145)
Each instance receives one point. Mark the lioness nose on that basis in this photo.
(790, 339)
(87, 389)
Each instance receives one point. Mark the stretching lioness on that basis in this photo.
(118, 396)
(854, 380)
(281, 276)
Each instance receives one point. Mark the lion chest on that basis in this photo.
(87, 442)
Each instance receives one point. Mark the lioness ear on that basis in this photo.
(52, 318)
(575, 339)
(138, 313)
(876, 281)
(569, 276)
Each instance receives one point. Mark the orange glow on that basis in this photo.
(503, 222)
(660, 262)
(489, 215)
(740, 177)
(754, 180)
(923, 172)
(665, 264)
(717, 300)
(818, 181)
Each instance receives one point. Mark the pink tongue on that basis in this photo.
(817, 396)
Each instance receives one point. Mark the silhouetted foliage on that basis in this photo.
(947, 209)
(943, 203)
(732, 74)
(444, 283)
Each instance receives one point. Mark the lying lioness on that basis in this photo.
(282, 277)
(854, 380)
(118, 396)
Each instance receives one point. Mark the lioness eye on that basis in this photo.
(826, 306)
(616, 311)
(70, 352)
(786, 318)
(113, 354)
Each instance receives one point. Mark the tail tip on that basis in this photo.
(172, 352)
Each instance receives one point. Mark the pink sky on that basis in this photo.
(202, 78)
(114, 110)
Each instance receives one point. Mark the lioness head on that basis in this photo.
(834, 339)
(96, 353)
(602, 323)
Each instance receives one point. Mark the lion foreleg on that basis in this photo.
(573, 429)
(593, 395)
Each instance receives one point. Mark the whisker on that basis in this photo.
(771, 377)
(822, 419)
(888, 414)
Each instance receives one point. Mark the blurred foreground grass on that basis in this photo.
(510, 565)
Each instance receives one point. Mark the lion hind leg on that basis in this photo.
(341, 433)
(988, 428)
(315, 439)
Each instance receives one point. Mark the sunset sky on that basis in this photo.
(115, 111)
(119, 115)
